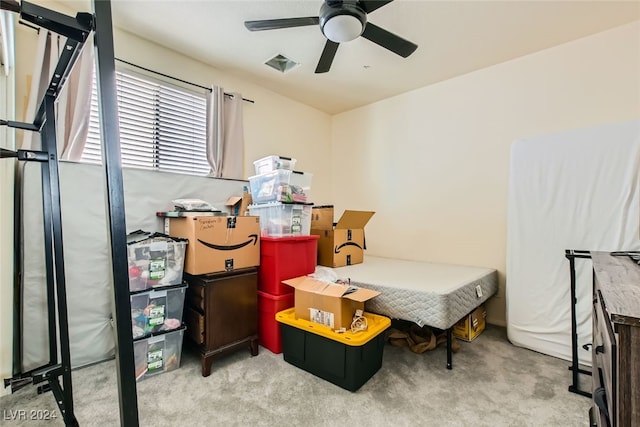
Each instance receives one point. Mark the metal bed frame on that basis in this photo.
(77, 30)
(571, 255)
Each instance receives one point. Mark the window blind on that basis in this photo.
(162, 127)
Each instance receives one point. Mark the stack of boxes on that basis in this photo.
(281, 198)
(328, 333)
(221, 272)
(157, 294)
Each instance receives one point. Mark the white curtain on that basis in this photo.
(46, 58)
(74, 106)
(225, 134)
(215, 101)
(73, 102)
(233, 152)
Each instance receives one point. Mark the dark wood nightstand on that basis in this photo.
(221, 313)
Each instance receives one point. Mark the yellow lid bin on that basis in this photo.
(347, 359)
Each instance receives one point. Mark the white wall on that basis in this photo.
(433, 163)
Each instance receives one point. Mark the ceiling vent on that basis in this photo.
(281, 63)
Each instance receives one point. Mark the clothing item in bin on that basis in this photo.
(153, 317)
(149, 269)
(297, 194)
(140, 277)
(284, 192)
(143, 323)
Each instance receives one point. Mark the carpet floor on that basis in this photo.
(492, 383)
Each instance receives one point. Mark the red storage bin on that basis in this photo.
(268, 327)
(283, 258)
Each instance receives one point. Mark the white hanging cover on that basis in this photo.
(570, 190)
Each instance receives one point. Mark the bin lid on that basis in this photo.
(141, 236)
(376, 324)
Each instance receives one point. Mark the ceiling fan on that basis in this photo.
(342, 21)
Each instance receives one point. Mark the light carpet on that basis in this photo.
(493, 383)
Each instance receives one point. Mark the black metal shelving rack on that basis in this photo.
(77, 30)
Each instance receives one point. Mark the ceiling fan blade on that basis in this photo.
(328, 53)
(390, 41)
(274, 24)
(371, 5)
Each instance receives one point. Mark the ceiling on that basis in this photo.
(453, 37)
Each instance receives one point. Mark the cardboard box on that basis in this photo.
(330, 304)
(238, 204)
(322, 218)
(344, 243)
(472, 325)
(218, 243)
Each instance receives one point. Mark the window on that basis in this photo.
(162, 127)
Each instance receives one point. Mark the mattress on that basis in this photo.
(575, 189)
(432, 294)
(86, 251)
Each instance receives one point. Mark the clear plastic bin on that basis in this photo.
(271, 163)
(155, 260)
(281, 185)
(283, 219)
(300, 186)
(158, 353)
(156, 311)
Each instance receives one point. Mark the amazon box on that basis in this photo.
(330, 304)
(343, 243)
(218, 243)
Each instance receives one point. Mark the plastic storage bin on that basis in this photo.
(157, 354)
(157, 310)
(347, 360)
(281, 185)
(268, 328)
(283, 219)
(155, 260)
(300, 186)
(283, 258)
(271, 163)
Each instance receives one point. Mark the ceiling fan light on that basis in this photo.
(342, 28)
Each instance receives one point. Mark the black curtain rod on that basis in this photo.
(147, 69)
(177, 79)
